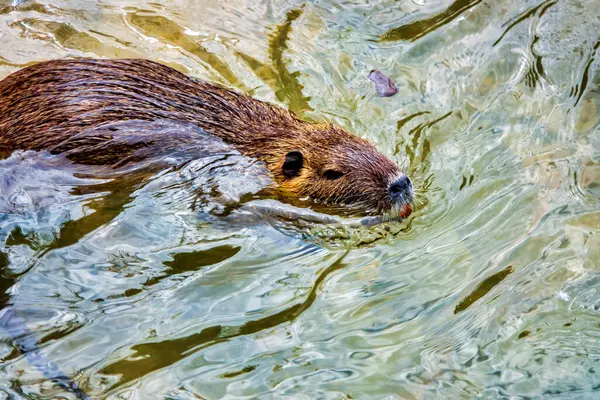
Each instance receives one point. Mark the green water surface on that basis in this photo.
(135, 289)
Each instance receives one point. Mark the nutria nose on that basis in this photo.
(400, 187)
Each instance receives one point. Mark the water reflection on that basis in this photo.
(420, 28)
(187, 278)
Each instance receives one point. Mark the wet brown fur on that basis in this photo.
(47, 107)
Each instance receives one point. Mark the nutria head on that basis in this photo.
(58, 105)
(328, 164)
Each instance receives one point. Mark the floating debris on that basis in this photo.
(384, 85)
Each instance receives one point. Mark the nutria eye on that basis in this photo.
(293, 164)
(332, 174)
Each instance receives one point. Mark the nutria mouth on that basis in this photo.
(61, 106)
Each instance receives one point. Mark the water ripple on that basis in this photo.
(189, 277)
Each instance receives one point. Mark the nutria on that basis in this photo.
(61, 106)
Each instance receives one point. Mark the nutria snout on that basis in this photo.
(401, 194)
(62, 106)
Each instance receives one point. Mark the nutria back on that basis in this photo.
(55, 100)
(49, 106)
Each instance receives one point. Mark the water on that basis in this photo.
(191, 282)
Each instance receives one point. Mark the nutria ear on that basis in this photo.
(293, 164)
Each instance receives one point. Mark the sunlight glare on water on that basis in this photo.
(192, 282)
